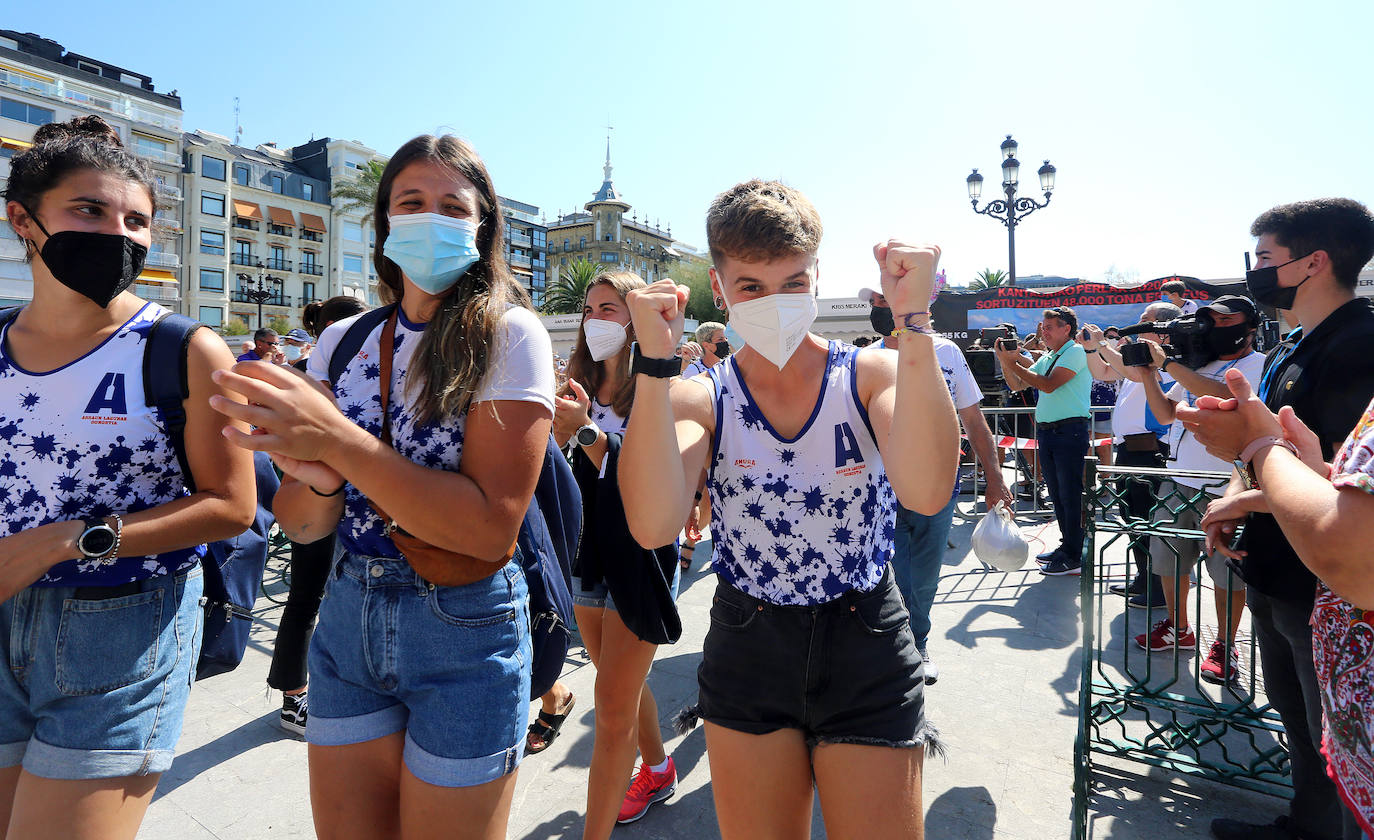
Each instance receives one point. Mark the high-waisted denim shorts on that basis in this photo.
(96, 679)
(843, 672)
(447, 665)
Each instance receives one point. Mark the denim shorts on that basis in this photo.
(95, 687)
(447, 665)
(843, 672)
(598, 595)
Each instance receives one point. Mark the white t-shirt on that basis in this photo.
(695, 367)
(519, 370)
(1132, 415)
(959, 379)
(1185, 451)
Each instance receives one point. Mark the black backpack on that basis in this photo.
(549, 535)
(233, 568)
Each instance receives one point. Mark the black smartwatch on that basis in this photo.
(97, 540)
(657, 368)
(587, 435)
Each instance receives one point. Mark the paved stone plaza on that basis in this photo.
(1006, 704)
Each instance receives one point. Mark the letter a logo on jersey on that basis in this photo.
(846, 446)
(109, 396)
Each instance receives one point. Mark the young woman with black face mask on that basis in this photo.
(100, 579)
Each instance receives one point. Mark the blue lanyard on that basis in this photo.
(1267, 380)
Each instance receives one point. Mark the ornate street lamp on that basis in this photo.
(1010, 210)
(260, 289)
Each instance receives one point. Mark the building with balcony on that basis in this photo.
(526, 247)
(253, 219)
(353, 237)
(42, 82)
(601, 233)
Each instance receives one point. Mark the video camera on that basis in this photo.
(1187, 341)
(982, 361)
(1003, 338)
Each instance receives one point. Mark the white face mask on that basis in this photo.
(292, 352)
(774, 325)
(604, 338)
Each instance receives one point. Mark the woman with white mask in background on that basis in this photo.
(621, 633)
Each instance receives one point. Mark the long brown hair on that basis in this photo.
(457, 344)
(592, 375)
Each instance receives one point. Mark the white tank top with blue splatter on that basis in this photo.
(81, 441)
(803, 520)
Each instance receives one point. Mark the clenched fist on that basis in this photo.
(657, 311)
(907, 273)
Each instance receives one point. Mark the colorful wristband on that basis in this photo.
(909, 324)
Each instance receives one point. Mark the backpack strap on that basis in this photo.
(8, 314)
(353, 338)
(165, 384)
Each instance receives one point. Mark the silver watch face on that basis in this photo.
(586, 435)
(96, 541)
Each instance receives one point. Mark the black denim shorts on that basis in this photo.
(843, 672)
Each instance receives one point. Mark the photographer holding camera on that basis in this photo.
(1219, 337)
(1140, 438)
(1061, 427)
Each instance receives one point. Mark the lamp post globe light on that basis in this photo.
(1010, 210)
(259, 289)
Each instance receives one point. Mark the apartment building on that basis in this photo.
(526, 247)
(43, 82)
(256, 231)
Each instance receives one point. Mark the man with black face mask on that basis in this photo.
(1309, 255)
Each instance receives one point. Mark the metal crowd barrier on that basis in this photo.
(1155, 708)
(1014, 426)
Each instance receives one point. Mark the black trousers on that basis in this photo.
(1137, 502)
(309, 572)
(1290, 679)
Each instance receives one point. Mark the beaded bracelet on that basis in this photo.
(909, 324)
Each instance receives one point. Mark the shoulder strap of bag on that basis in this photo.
(353, 338)
(165, 384)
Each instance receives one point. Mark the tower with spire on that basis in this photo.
(601, 234)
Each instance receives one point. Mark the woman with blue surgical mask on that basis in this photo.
(419, 689)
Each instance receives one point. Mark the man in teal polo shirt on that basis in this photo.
(1061, 427)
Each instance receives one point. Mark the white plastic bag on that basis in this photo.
(998, 542)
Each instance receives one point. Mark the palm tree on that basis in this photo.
(989, 278)
(568, 293)
(361, 192)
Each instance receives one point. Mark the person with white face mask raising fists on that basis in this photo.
(805, 442)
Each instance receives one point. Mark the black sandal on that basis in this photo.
(685, 555)
(547, 726)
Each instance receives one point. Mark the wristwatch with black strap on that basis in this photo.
(98, 539)
(657, 368)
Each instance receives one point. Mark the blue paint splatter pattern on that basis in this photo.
(79, 441)
(799, 521)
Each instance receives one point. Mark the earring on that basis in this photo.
(720, 303)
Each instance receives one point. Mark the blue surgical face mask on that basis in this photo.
(432, 249)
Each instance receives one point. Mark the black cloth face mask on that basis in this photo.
(722, 349)
(1227, 340)
(1263, 284)
(98, 266)
(881, 319)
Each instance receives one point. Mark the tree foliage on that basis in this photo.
(989, 278)
(361, 192)
(568, 293)
(279, 325)
(696, 276)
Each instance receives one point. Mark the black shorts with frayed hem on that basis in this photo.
(843, 672)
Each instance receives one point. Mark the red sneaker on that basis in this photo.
(1214, 666)
(647, 788)
(1165, 637)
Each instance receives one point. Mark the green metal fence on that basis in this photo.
(1156, 708)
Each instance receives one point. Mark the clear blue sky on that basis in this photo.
(1172, 124)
